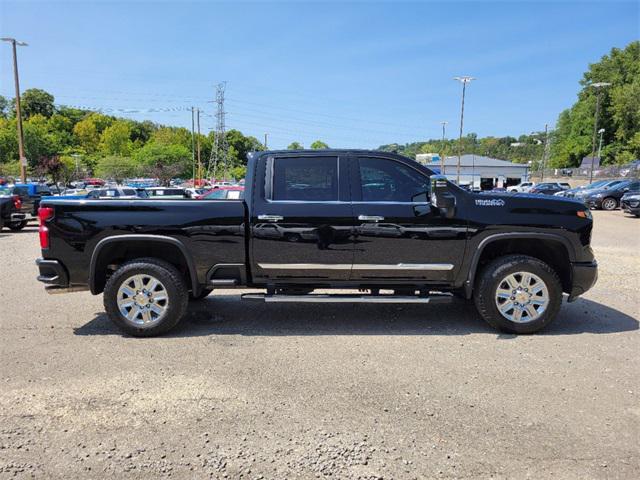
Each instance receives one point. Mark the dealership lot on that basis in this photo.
(304, 391)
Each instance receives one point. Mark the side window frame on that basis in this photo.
(342, 176)
(357, 182)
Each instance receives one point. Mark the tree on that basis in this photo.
(88, 130)
(38, 141)
(4, 107)
(319, 145)
(115, 139)
(295, 146)
(116, 167)
(36, 102)
(619, 112)
(54, 167)
(164, 161)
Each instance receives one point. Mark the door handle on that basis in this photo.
(270, 218)
(370, 218)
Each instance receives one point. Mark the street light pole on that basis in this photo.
(23, 159)
(464, 81)
(544, 152)
(601, 131)
(598, 86)
(444, 126)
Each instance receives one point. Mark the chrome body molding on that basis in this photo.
(357, 266)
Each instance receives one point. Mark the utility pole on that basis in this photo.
(545, 152)
(265, 142)
(193, 146)
(464, 80)
(198, 145)
(598, 86)
(442, 153)
(23, 158)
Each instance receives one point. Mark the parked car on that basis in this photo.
(630, 202)
(608, 197)
(550, 188)
(223, 193)
(514, 255)
(222, 184)
(30, 195)
(167, 193)
(195, 192)
(119, 193)
(570, 193)
(11, 214)
(521, 187)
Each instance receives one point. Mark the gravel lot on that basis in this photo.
(245, 390)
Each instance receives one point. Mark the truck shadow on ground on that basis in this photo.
(228, 315)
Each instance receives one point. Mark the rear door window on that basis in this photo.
(311, 179)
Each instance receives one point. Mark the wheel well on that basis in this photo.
(114, 254)
(552, 252)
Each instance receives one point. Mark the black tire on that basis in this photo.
(609, 203)
(493, 274)
(176, 290)
(17, 226)
(204, 293)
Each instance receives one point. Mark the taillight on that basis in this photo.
(17, 202)
(44, 214)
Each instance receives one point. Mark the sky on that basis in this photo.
(357, 74)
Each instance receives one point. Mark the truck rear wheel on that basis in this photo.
(146, 297)
(518, 294)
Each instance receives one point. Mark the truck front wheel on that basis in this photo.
(518, 294)
(146, 297)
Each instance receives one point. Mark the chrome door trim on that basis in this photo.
(270, 218)
(357, 266)
(370, 218)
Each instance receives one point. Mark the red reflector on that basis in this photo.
(44, 214)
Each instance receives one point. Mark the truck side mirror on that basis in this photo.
(441, 197)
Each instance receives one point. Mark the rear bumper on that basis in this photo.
(52, 273)
(584, 276)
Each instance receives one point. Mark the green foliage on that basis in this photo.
(238, 172)
(116, 139)
(164, 161)
(295, 146)
(619, 112)
(4, 107)
(116, 167)
(36, 102)
(319, 145)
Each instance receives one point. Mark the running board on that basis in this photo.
(223, 282)
(323, 298)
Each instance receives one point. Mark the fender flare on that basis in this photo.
(473, 267)
(195, 286)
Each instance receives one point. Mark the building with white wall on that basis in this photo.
(482, 173)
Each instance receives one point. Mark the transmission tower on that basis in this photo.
(220, 149)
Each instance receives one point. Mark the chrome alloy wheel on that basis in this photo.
(142, 300)
(522, 297)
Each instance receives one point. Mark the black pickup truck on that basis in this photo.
(369, 221)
